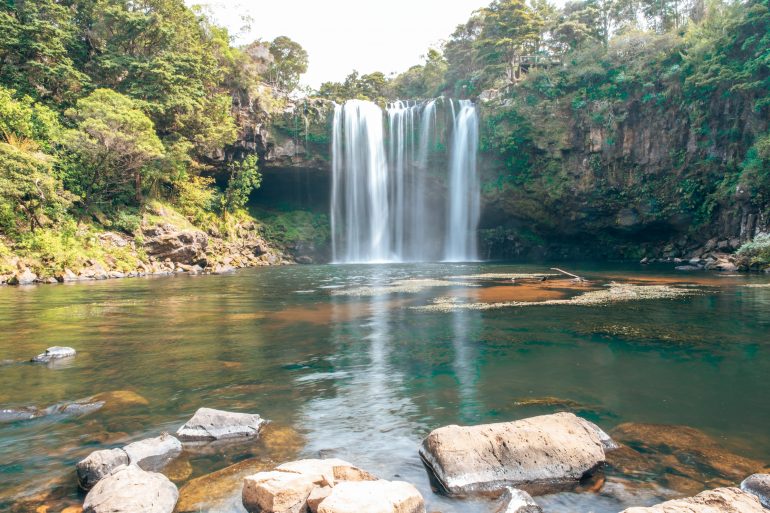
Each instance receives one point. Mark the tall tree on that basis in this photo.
(289, 64)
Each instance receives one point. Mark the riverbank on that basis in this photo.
(163, 243)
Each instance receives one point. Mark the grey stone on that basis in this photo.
(54, 353)
(25, 277)
(759, 485)
(210, 424)
(129, 489)
(720, 500)
(539, 454)
(517, 501)
(153, 454)
(98, 465)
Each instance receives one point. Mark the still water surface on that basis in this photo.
(364, 378)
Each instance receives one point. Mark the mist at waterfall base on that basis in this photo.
(405, 184)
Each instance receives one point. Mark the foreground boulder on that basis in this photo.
(539, 454)
(373, 497)
(720, 500)
(208, 424)
(129, 489)
(759, 485)
(330, 486)
(54, 353)
(517, 501)
(151, 455)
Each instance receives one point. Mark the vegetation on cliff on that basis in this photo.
(108, 105)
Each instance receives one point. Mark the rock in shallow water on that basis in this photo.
(54, 353)
(373, 497)
(720, 500)
(518, 501)
(129, 489)
(208, 424)
(328, 486)
(759, 485)
(539, 454)
(152, 454)
(98, 465)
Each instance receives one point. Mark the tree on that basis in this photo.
(244, 178)
(37, 41)
(290, 63)
(30, 195)
(113, 144)
(510, 29)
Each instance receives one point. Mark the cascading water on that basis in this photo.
(464, 196)
(387, 204)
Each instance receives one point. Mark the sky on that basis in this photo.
(343, 35)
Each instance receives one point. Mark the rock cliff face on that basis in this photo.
(623, 179)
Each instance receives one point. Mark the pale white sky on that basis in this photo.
(343, 35)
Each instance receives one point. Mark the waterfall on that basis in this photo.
(386, 201)
(464, 194)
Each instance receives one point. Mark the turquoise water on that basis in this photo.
(366, 377)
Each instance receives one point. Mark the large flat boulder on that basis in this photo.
(538, 454)
(208, 424)
(373, 497)
(720, 500)
(759, 485)
(129, 489)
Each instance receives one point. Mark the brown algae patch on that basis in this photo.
(530, 292)
(507, 276)
(614, 293)
(401, 287)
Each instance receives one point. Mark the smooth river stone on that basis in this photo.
(277, 492)
(538, 454)
(129, 489)
(759, 485)
(518, 501)
(54, 353)
(153, 454)
(720, 500)
(208, 424)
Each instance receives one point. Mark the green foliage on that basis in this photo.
(289, 227)
(39, 47)
(244, 178)
(113, 145)
(423, 81)
(289, 64)
(24, 119)
(31, 196)
(373, 87)
(758, 250)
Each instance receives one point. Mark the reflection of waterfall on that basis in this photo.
(463, 187)
(386, 195)
(465, 324)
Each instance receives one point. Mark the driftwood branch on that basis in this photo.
(574, 276)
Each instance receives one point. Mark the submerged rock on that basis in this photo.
(518, 501)
(129, 489)
(219, 491)
(720, 500)
(54, 353)
(759, 485)
(208, 424)
(373, 497)
(684, 458)
(539, 454)
(16, 414)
